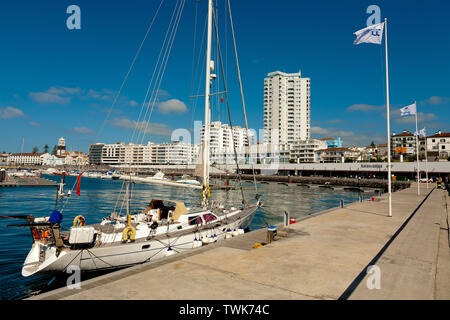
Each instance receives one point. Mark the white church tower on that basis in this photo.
(61, 148)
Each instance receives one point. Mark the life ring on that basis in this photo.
(128, 234)
(79, 221)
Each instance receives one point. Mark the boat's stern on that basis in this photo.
(40, 257)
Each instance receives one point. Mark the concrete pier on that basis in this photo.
(322, 256)
(28, 182)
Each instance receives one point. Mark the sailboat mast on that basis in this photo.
(207, 109)
(127, 195)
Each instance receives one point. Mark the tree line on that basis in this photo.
(45, 149)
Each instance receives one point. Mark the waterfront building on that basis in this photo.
(95, 153)
(52, 160)
(403, 144)
(260, 153)
(176, 153)
(337, 155)
(110, 153)
(332, 142)
(305, 151)
(368, 153)
(438, 145)
(286, 108)
(25, 158)
(75, 158)
(382, 151)
(3, 158)
(222, 138)
(137, 154)
(134, 153)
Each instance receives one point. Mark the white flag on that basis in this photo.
(371, 34)
(408, 110)
(422, 133)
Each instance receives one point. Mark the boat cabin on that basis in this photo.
(176, 211)
(161, 209)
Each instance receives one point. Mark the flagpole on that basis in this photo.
(388, 122)
(417, 151)
(426, 157)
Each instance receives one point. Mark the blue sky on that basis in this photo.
(59, 82)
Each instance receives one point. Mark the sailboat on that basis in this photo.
(164, 228)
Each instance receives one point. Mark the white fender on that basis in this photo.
(170, 252)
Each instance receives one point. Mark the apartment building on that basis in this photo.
(438, 145)
(337, 155)
(403, 144)
(222, 139)
(25, 158)
(286, 108)
(137, 154)
(305, 151)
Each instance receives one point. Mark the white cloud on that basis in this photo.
(159, 129)
(319, 130)
(435, 100)
(64, 95)
(349, 138)
(365, 107)
(45, 97)
(63, 91)
(173, 105)
(10, 112)
(58, 95)
(83, 130)
(35, 124)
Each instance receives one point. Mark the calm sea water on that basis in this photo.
(100, 197)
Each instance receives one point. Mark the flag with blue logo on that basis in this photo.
(371, 34)
(408, 110)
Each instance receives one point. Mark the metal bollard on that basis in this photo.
(286, 218)
(271, 233)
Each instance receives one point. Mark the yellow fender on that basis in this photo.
(257, 245)
(129, 233)
(79, 221)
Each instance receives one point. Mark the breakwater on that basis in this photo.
(332, 181)
(28, 182)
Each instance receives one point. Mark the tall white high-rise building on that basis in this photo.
(286, 108)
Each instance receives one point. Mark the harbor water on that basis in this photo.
(100, 197)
